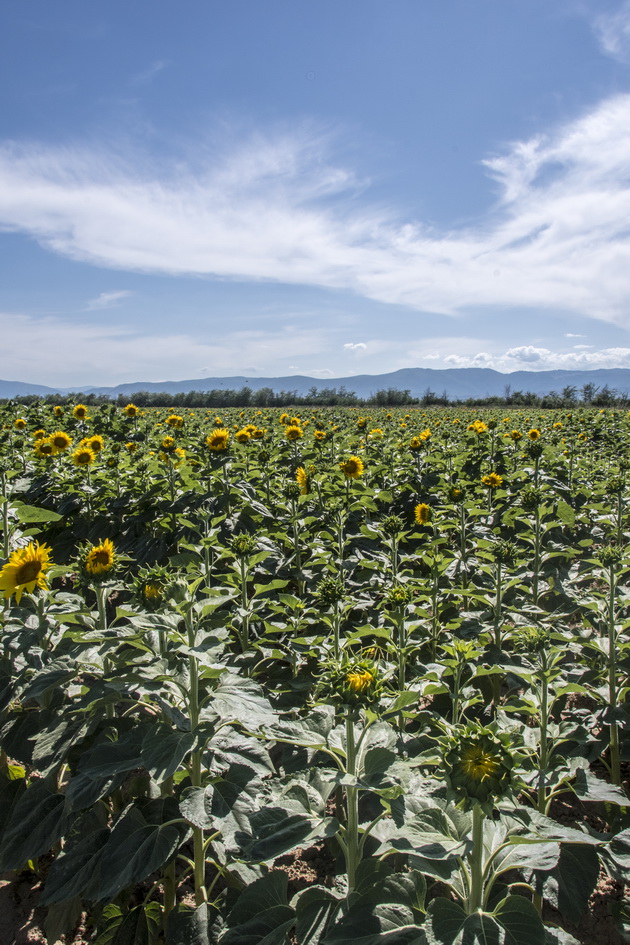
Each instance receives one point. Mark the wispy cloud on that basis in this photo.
(148, 74)
(613, 32)
(105, 352)
(107, 300)
(280, 208)
(355, 346)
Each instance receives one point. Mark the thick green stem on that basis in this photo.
(244, 634)
(5, 515)
(475, 861)
(169, 876)
(353, 853)
(536, 556)
(615, 755)
(543, 760)
(199, 855)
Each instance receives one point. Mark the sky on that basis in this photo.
(237, 187)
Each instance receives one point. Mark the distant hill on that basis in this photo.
(456, 383)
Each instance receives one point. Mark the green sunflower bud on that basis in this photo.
(478, 765)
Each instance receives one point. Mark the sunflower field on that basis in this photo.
(316, 679)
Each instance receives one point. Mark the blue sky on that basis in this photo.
(273, 187)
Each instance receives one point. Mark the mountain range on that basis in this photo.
(456, 383)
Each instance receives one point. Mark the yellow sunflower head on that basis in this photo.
(130, 410)
(242, 436)
(80, 412)
(534, 434)
(83, 456)
(352, 468)
(175, 421)
(25, 570)
(492, 480)
(301, 477)
(61, 440)
(218, 440)
(45, 448)
(19, 423)
(422, 513)
(94, 443)
(293, 432)
(100, 559)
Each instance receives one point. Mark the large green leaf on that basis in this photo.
(29, 514)
(189, 926)
(448, 924)
(38, 820)
(54, 674)
(274, 832)
(315, 909)
(142, 841)
(164, 750)
(241, 700)
(262, 914)
(139, 926)
(521, 922)
(570, 884)
(72, 873)
(225, 804)
(591, 788)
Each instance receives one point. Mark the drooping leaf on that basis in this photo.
(262, 914)
(72, 873)
(37, 821)
(164, 750)
(142, 841)
(571, 882)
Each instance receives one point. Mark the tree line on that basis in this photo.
(588, 395)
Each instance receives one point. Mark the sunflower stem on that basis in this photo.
(475, 860)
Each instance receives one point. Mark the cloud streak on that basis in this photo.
(280, 209)
(107, 300)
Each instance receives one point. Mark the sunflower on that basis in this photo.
(320, 435)
(168, 444)
(25, 570)
(19, 423)
(94, 443)
(422, 513)
(301, 477)
(534, 434)
(492, 480)
(284, 418)
(39, 434)
(58, 411)
(80, 412)
(242, 436)
(84, 456)
(478, 427)
(516, 435)
(293, 432)
(352, 468)
(478, 764)
(130, 410)
(218, 422)
(131, 447)
(61, 440)
(44, 448)
(218, 440)
(415, 443)
(359, 680)
(175, 421)
(100, 558)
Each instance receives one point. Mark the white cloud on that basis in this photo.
(278, 208)
(613, 32)
(570, 334)
(358, 346)
(107, 300)
(528, 358)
